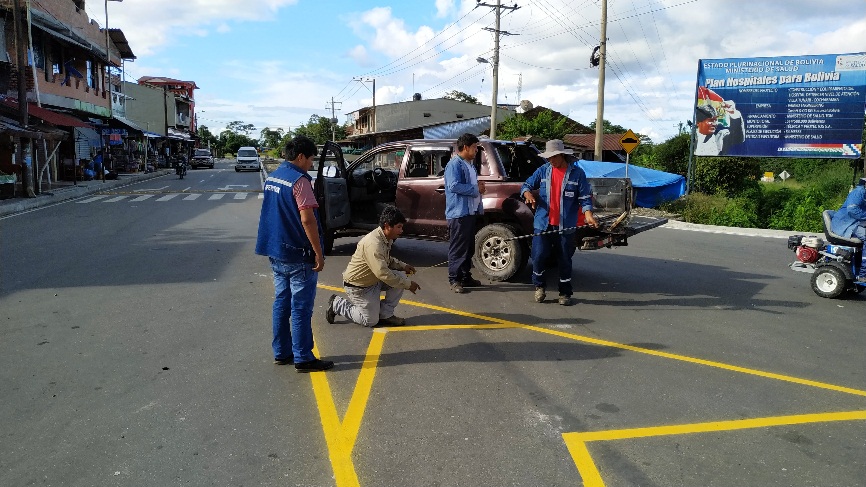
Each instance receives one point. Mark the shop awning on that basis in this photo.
(126, 123)
(152, 135)
(176, 134)
(50, 116)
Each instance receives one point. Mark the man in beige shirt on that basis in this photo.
(371, 270)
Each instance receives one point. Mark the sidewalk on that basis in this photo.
(68, 192)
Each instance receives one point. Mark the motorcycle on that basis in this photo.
(180, 166)
(834, 263)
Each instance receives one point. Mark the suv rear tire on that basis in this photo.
(497, 255)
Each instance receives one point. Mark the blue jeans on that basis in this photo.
(557, 245)
(461, 248)
(294, 294)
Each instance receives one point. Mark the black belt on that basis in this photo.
(346, 284)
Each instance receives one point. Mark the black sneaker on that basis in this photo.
(314, 365)
(284, 361)
(470, 282)
(330, 315)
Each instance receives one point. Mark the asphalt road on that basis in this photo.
(135, 350)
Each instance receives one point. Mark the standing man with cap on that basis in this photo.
(463, 205)
(563, 194)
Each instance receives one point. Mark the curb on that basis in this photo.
(745, 232)
(19, 205)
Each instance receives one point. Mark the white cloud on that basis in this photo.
(150, 25)
(359, 55)
(444, 8)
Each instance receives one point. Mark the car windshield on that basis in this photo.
(202, 152)
(247, 153)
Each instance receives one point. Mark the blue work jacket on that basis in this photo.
(851, 214)
(575, 196)
(459, 190)
(281, 234)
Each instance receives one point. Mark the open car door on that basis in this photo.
(332, 192)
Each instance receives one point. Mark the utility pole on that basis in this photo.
(19, 18)
(333, 118)
(496, 33)
(365, 80)
(599, 115)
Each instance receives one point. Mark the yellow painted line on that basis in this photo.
(339, 450)
(358, 403)
(589, 473)
(576, 442)
(455, 327)
(709, 363)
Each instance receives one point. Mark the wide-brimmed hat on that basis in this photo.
(554, 147)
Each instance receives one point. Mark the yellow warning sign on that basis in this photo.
(629, 141)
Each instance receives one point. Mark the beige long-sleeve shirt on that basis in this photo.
(372, 262)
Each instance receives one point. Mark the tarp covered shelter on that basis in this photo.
(651, 187)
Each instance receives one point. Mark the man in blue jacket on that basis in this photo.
(463, 205)
(850, 220)
(290, 234)
(563, 193)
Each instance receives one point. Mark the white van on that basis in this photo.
(248, 159)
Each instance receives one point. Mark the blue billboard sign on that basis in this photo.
(789, 106)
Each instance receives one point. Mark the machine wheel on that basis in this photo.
(496, 256)
(829, 282)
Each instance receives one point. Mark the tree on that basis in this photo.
(271, 138)
(206, 138)
(460, 96)
(609, 128)
(239, 127)
(545, 125)
(320, 129)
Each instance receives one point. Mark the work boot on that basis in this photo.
(457, 288)
(330, 314)
(391, 321)
(470, 282)
(564, 300)
(540, 295)
(314, 365)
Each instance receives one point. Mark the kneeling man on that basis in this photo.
(371, 270)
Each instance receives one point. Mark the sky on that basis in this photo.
(274, 63)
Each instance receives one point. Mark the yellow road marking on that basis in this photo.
(576, 442)
(341, 437)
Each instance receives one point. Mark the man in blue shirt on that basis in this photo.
(850, 220)
(290, 235)
(463, 204)
(563, 193)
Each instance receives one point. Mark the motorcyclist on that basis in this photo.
(850, 219)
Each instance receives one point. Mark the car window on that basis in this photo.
(247, 153)
(519, 160)
(389, 160)
(202, 152)
(425, 163)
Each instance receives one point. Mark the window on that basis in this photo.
(38, 50)
(389, 160)
(92, 74)
(56, 59)
(519, 161)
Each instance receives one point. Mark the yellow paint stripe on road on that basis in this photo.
(339, 451)
(708, 363)
(358, 403)
(589, 473)
(737, 424)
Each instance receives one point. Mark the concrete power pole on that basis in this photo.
(496, 33)
(599, 115)
(334, 118)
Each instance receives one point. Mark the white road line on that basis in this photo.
(115, 199)
(217, 196)
(240, 196)
(142, 198)
(167, 197)
(91, 200)
(261, 196)
(192, 197)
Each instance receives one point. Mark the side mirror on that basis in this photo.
(330, 172)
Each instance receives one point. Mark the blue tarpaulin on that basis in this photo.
(651, 187)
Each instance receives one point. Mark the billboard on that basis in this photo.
(789, 106)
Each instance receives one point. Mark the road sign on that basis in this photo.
(629, 141)
(784, 175)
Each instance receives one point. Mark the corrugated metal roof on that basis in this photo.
(47, 115)
(609, 141)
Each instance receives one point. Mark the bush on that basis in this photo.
(728, 176)
(716, 210)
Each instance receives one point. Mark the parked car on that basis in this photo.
(248, 160)
(202, 158)
(409, 175)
